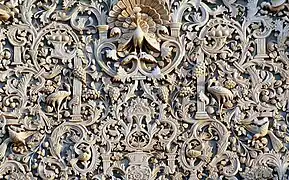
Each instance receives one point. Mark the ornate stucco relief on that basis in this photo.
(144, 89)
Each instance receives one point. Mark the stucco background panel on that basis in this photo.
(144, 89)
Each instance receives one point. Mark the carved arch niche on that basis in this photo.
(144, 89)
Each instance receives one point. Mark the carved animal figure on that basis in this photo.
(275, 5)
(57, 97)
(260, 128)
(83, 156)
(222, 94)
(139, 37)
(194, 153)
(138, 22)
(20, 137)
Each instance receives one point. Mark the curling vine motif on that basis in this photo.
(144, 89)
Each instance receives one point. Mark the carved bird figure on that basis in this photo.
(221, 93)
(138, 22)
(57, 97)
(275, 5)
(256, 126)
(5, 13)
(19, 137)
(140, 37)
(84, 156)
(194, 153)
(260, 128)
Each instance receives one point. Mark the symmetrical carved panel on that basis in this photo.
(144, 89)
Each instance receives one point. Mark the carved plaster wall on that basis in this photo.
(144, 89)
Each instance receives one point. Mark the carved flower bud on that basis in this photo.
(251, 49)
(212, 33)
(273, 101)
(233, 140)
(49, 82)
(226, 32)
(34, 98)
(46, 144)
(228, 104)
(273, 54)
(210, 109)
(253, 154)
(265, 98)
(10, 156)
(219, 33)
(286, 139)
(264, 141)
(7, 54)
(43, 152)
(66, 114)
(243, 160)
(284, 127)
(223, 55)
(13, 105)
(35, 166)
(49, 109)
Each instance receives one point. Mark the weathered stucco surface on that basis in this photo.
(144, 89)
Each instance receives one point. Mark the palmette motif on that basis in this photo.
(144, 89)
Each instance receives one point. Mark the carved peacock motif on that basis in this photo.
(138, 22)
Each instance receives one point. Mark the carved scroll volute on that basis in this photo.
(261, 34)
(18, 37)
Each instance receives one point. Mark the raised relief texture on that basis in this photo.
(144, 89)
